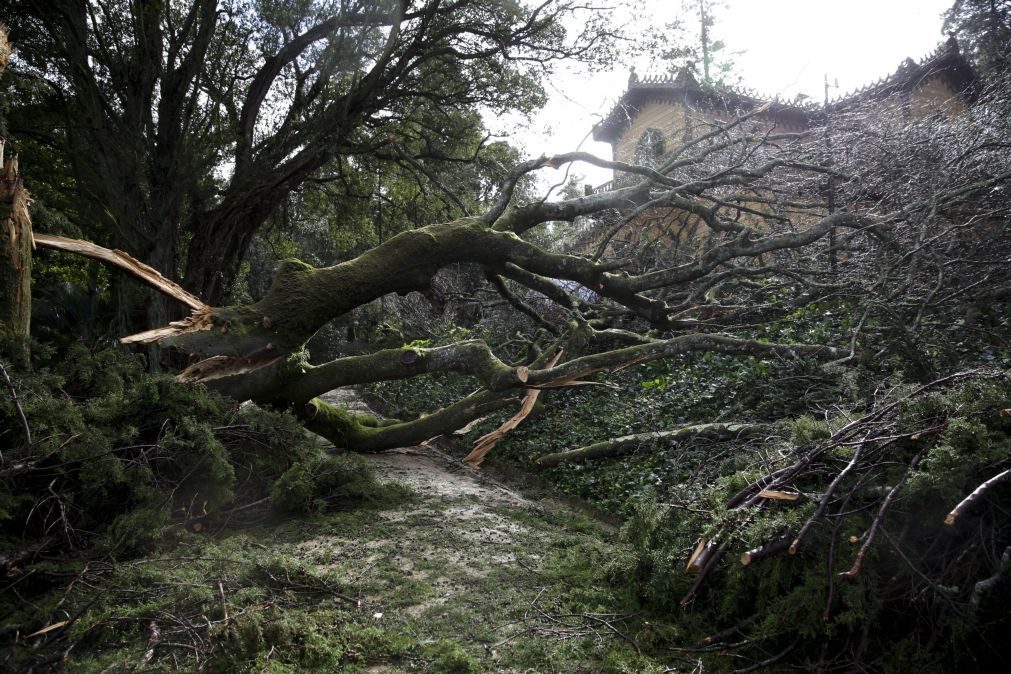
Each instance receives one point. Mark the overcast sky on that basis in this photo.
(788, 47)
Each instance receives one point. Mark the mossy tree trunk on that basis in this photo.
(15, 260)
(256, 351)
(15, 245)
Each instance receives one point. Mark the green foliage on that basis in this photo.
(983, 30)
(806, 429)
(684, 390)
(449, 658)
(123, 458)
(918, 566)
(125, 463)
(321, 480)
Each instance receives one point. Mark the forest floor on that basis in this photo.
(448, 570)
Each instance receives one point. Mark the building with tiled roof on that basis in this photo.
(657, 112)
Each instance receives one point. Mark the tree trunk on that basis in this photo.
(15, 260)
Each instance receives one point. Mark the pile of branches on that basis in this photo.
(104, 461)
(889, 537)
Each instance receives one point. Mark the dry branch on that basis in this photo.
(876, 524)
(17, 407)
(126, 262)
(825, 499)
(974, 497)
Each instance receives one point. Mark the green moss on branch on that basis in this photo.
(357, 433)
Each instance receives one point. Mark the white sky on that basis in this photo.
(788, 48)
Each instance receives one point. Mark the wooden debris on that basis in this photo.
(124, 261)
(765, 550)
(637, 441)
(219, 367)
(469, 427)
(489, 440)
(47, 629)
(200, 319)
(698, 557)
(779, 495)
(975, 496)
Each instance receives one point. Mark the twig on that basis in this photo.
(703, 572)
(289, 584)
(827, 497)
(17, 406)
(153, 639)
(770, 661)
(717, 638)
(614, 629)
(224, 605)
(987, 584)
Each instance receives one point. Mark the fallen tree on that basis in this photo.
(759, 260)
(256, 351)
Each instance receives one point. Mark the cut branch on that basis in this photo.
(975, 497)
(765, 550)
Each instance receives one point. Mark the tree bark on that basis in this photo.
(15, 259)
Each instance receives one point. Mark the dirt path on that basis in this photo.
(470, 560)
(431, 567)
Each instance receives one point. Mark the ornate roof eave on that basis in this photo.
(946, 61)
(684, 88)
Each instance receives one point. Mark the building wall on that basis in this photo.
(686, 234)
(672, 119)
(933, 95)
(666, 116)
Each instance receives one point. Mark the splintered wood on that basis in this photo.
(15, 252)
(486, 442)
(219, 367)
(199, 319)
(124, 261)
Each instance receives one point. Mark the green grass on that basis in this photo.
(410, 584)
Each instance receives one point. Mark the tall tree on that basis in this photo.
(983, 28)
(180, 127)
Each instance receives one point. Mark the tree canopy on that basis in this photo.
(174, 130)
